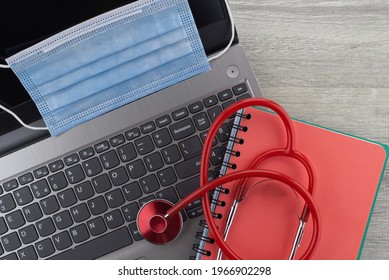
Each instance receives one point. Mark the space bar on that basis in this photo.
(98, 247)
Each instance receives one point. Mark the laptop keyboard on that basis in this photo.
(88, 200)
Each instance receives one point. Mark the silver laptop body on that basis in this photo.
(229, 71)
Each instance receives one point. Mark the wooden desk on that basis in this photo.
(327, 62)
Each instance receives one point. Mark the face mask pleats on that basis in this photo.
(114, 64)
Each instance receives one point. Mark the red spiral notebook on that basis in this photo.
(348, 174)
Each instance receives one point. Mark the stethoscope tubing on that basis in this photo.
(307, 195)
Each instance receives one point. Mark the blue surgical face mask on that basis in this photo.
(110, 60)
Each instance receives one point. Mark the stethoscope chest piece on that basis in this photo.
(153, 224)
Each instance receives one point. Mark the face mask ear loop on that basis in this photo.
(20, 120)
(6, 66)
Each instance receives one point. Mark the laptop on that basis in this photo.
(76, 196)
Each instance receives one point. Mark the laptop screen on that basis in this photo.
(25, 23)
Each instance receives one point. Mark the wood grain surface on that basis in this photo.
(326, 62)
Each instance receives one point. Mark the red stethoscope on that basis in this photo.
(160, 221)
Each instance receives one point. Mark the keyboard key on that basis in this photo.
(213, 113)
(244, 96)
(240, 89)
(79, 233)
(11, 242)
(15, 219)
(26, 178)
(195, 212)
(153, 162)
(44, 248)
(188, 186)
(162, 121)
(97, 205)
(146, 199)
(10, 257)
(27, 253)
(114, 219)
(171, 154)
(87, 153)
(132, 134)
(109, 160)
(167, 176)
(162, 138)
(149, 184)
(191, 147)
(58, 181)
(228, 104)
(62, 240)
(148, 127)
(72, 159)
(182, 129)
(67, 198)
(144, 145)
(168, 194)
(63, 220)
(75, 174)
(203, 136)
(92, 167)
(32, 212)
(84, 190)
(136, 169)
(80, 213)
(135, 232)
(180, 114)
(117, 140)
(7, 203)
(23, 196)
(217, 156)
(49, 205)
(223, 133)
(127, 152)
(188, 168)
(114, 198)
(210, 101)
(55, 166)
(130, 211)
(132, 191)
(119, 176)
(28, 234)
(201, 121)
(10, 185)
(1, 190)
(196, 107)
(41, 172)
(225, 95)
(45, 227)
(40, 189)
(101, 183)
(98, 247)
(102, 147)
(193, 204)
(3, 226)
(96, 226)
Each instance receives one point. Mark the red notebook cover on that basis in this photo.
(348, 174)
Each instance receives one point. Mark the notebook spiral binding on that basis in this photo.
(215, 201)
